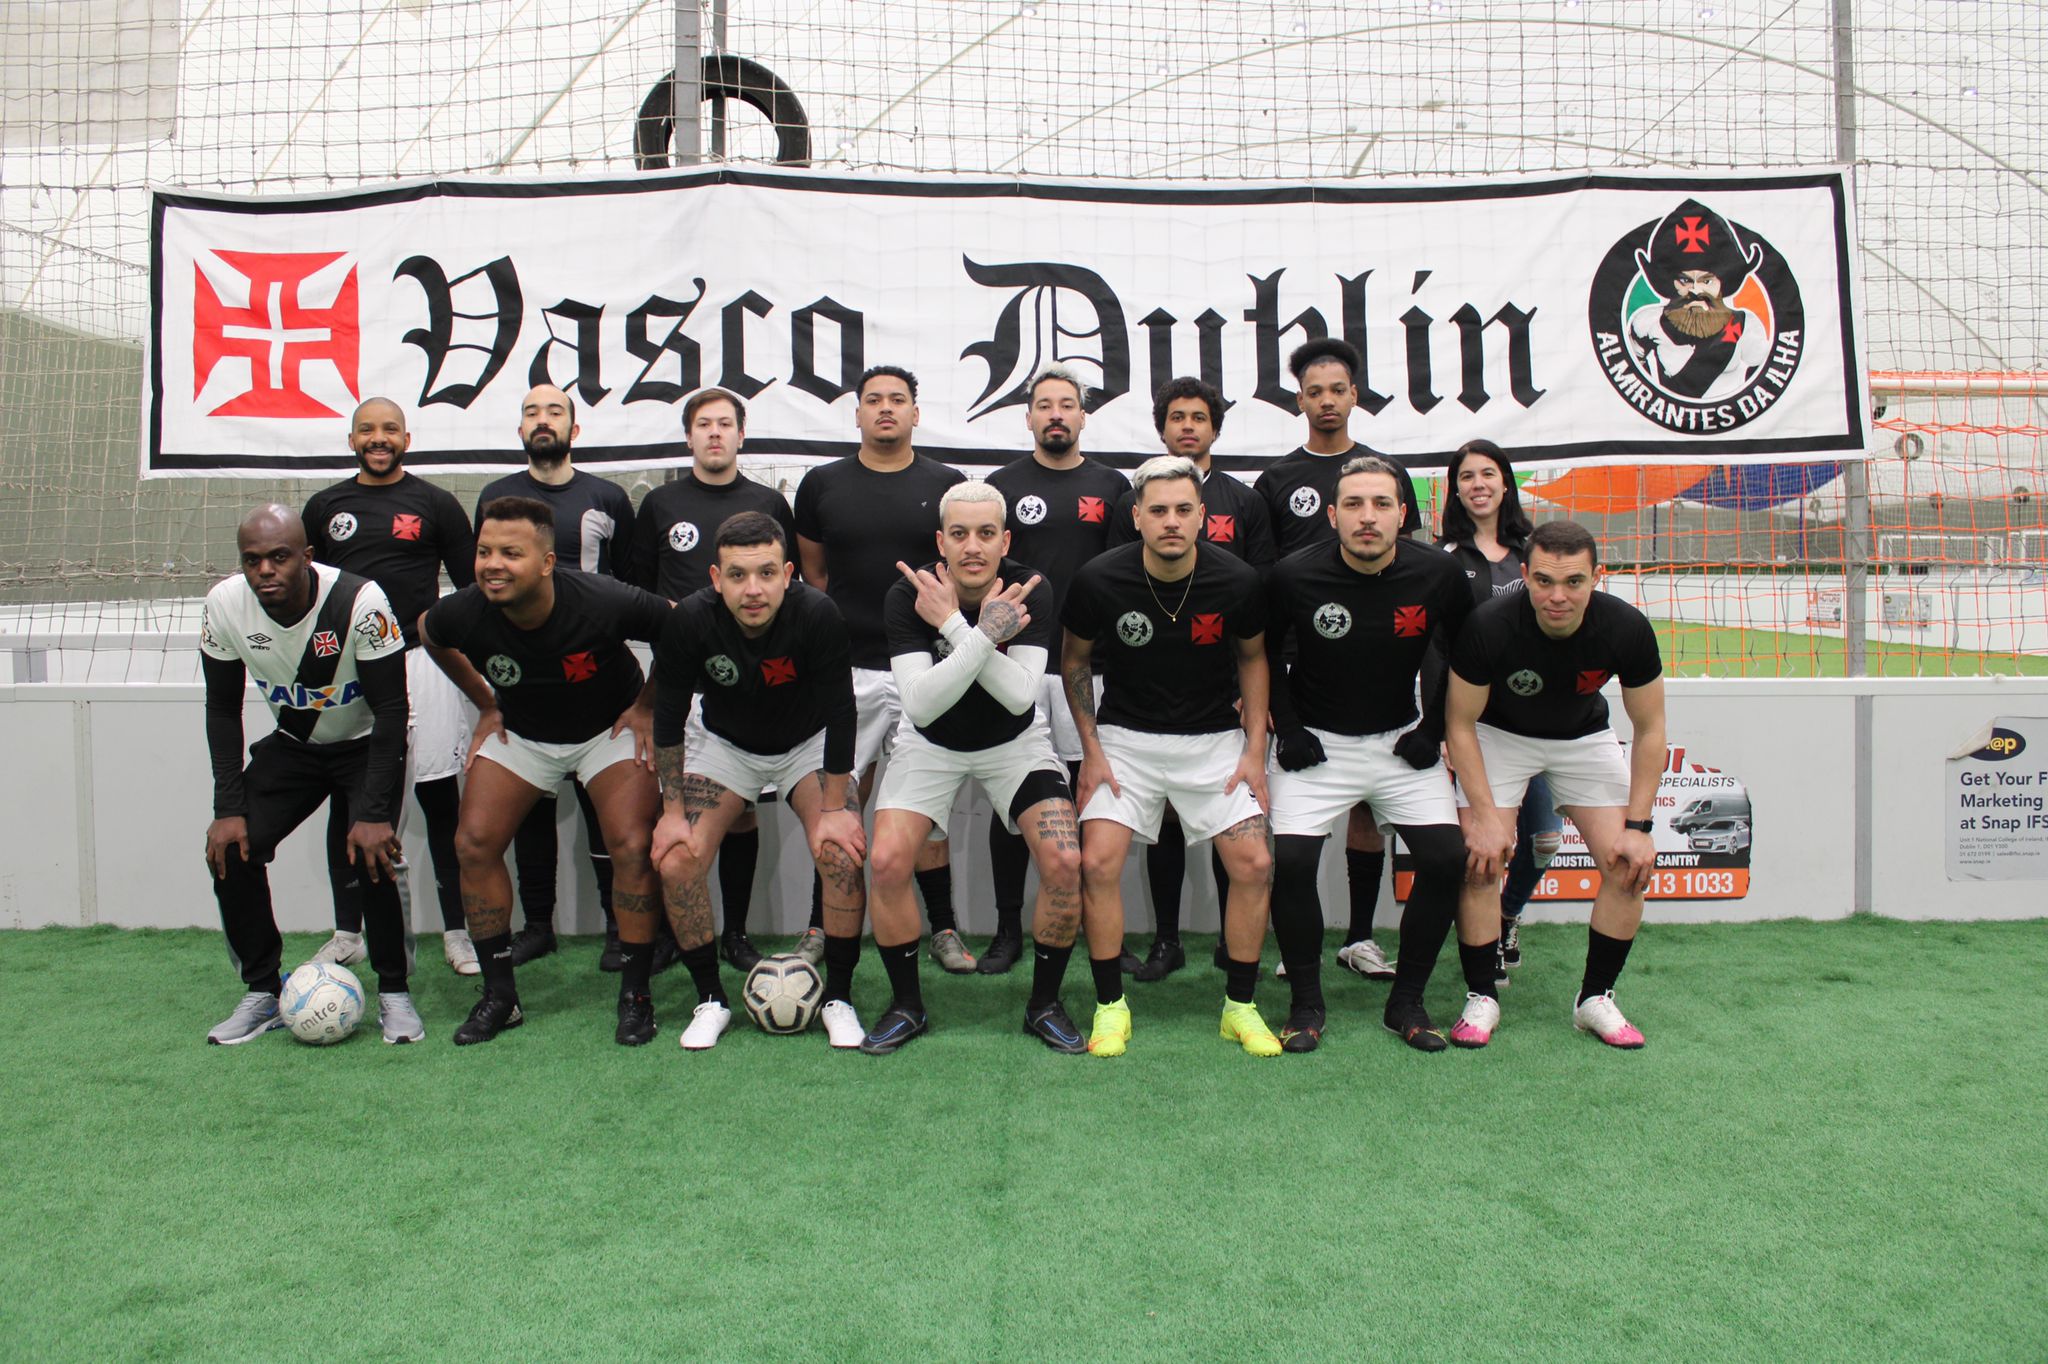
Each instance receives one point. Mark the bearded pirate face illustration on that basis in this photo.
(1698, 345)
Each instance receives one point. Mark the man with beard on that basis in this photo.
(1299, 487)
(1188, 414)
(675, 553)
(1060, 504)
(400, 532)
(594, 534)
(1694, 341)
(856, 518)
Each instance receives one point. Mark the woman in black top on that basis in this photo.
(1487, 531)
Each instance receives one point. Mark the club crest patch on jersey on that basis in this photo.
(722, 670)
(502, 671)
(1092, 510)
(1030, 510)
(206, 634)
(1305, 501)
(326, 643)
(1527, 682)
(1135, 629)
(1591, 682)
(1332, 620)
(340, 526)
(1206, 628)
(579, 667)
(405, 527)
(778, 672)
(1222, 530)
(377, 628)
(1410, 621)
(683, 537)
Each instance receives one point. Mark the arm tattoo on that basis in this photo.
(1081, 690)
(1000, 621)
(668, 765)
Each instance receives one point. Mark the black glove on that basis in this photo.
(1299, 748)
(1420, 750)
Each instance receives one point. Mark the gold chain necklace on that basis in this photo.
(1173, 616)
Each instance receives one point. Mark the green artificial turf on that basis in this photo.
(1694, 650)
(1830, 1149)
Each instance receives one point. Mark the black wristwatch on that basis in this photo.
(1641, 826)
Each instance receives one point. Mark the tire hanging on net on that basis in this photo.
(729, 77)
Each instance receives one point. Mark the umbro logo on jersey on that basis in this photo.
(682, 537)
(1207, 629)
(326, 644)
(580, 667)
(1410, 621)
(778, 672)
(259, 641)
(341, 526)
(1591, 682)
(1030, 510)
(1134, 628)
(1305, 502)
(1092, 510)
(405, 527)
(1222, 529)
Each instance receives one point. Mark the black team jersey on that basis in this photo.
(1546, 688)
(593, 519)
(399, 536)
(977, 720)
(675, 536)
(1359, 638)
(567, 680)
(766, 694)
(1165, 647)
(1298, 486)
(1235, 519)
(867, 521)
(1059, 519)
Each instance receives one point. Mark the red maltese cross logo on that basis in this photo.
(1222, 529)
(275, 333)
(1591, 682)
(325, 644)
(580, 667)
(1410, 621)
(404, 527)
(1091, 509)
(1207, 629)
(778, 672)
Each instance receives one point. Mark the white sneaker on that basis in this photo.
(1365, 958)
(842, 1024)
(460, 952)
(1475, 1026)
(343, 949)
(1601, 1016)
(399, 1019)
(707, 1023)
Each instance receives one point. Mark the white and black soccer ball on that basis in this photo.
(321, 1003)
(783, 993)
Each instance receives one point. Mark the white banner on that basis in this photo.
(1595, 318)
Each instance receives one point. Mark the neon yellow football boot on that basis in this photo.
(1242, 1025)
(1112, 1032)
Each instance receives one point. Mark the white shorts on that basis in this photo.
(549, 765)
(878, 715)
(923, 778)
(1058, 717)
(749, 774)
(1355, 768)
(442, 719)
(1187, 769)
(1585, 771)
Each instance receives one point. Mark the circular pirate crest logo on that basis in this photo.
(1135, 629)
(503, 671)
(1696, 321)
(1030, 510)
(1305, 501)
(723, 670)
(1527, 682)
(682, 537)
(1332, 621)
(341, 527)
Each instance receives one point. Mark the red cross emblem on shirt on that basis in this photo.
(777, 672)
(325, 644)
(1732, 332)
(580, 667)
(1591, 681)
(277, 332)
(404, 527)
(1091, 509)
(1207, 629)
(1692, 236)
(1410, 621)
(1222, 529)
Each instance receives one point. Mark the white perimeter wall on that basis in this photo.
(109, 795)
